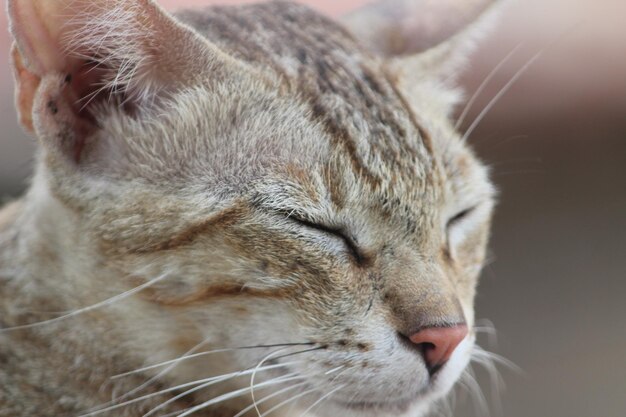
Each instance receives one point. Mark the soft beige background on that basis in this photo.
(556, 290)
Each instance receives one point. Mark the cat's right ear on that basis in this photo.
(426, 42)
(73, 57)
(424, 37)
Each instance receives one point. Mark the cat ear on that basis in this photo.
(72, 57)
(425, 36)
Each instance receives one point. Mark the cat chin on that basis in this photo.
(403, 408)
(417, 405)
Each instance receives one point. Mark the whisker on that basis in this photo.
(175, 413)
(537, 161)
(266, 358)
(237, 393)
(339, 368)
(92, 307)
(496, 380)
(486, 323)
(487, 327)
(518, 172)
(448, 404)
(173, 363)
(480, 355)
(275, 394)
(287, 377)
(480, 402)
(215, 379)
(512, 81)
(500, 93)
(270, 356)
(322, 398)
(484, 84)
(182, 395)
(357, 387)
(332, 371)
(156, 377)
(264, 399)
(210, 352)
(287, 401)
(488, 361)
(488, 330)
(300, 351)
(250, 407)
(494, 144)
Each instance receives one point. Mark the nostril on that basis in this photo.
(437, 344)
(426, 349)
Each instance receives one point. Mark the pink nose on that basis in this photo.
(438, 343)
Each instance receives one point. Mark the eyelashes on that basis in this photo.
(455, 230)
(337, 232)
(349, 242)
(460, 216)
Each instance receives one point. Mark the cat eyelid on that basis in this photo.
(335, 231)
(460, 216)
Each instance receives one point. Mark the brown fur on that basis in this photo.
(269, 180)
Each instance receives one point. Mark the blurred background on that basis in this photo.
(556, 141)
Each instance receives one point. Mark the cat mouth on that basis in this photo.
(395, 406)
(399, 406)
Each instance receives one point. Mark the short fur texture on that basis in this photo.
(255, 180)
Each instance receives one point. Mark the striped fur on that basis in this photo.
(267, 183)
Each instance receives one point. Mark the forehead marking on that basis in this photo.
(347, 89)
(225, 218)
(214, 292)
(371, 129)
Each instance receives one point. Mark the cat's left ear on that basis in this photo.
(424, 40)
(73, 58)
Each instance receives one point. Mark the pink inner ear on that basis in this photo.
(37, 32)
(27, 84)
(76, 98)
(119, 53)
(37, 53)
(39, 28)
(69, 100)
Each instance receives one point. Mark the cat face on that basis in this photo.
(288, 189)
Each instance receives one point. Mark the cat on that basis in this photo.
(241, 211)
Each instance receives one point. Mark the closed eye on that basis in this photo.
(459, 217)
(451, 231)
(352, 247)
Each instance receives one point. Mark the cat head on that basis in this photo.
(275, 178)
